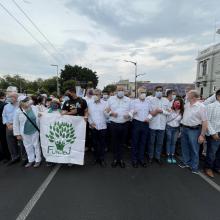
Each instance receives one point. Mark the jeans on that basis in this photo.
(118, 133)
(99, 141)
(171, 136)
(190, 147)
(140, 132)
(156, 143)
(213, 154)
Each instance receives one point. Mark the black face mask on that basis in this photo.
(54, 106)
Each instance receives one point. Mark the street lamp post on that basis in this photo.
(135, 74)
(58, 88)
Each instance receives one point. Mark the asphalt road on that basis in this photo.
(93, 193)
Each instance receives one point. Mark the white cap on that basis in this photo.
(12, 89)
(22, 98)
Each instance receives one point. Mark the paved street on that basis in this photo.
(91, 192)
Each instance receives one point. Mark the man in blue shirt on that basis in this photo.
(7, 119)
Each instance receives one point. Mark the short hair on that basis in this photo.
(169, 92)
(120, 87)
(35, 100)
(48, 99)
(217, 93)
(158, 87)
(2, 94)
(194, 93)
(142, 89)
(104, 91)
(98, 91)
(72, 90)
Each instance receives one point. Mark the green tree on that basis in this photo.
(82, 75)
(68, 84)
(18, 81)
(109, 88)
(50, 84)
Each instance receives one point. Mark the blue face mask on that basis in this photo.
(158, 94)
(120, 94)
(8, 100)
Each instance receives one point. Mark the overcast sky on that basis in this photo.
(163, 36)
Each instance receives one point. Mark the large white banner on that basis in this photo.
(63, 138)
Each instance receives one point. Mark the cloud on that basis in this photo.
(133, 20)
(163, 36)
(19, 58)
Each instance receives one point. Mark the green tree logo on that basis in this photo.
(61, 133)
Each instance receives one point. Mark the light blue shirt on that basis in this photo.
(9, 113)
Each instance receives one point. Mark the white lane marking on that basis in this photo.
(32, 202)
(209, 181)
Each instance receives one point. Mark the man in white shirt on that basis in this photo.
(105, 96)
(194, 127)
(160, 108)
(212, 161)
(118, 110)
(171, 95)
(140, 109)
(88, 98)
(97, 123)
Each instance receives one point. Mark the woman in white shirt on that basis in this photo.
(172, 128)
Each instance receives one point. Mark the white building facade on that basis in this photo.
(208, 71)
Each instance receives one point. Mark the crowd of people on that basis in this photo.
(150, 125)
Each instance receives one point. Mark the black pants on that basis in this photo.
(16, 148)
(118, 135)
(99, 140)
(89, 143)
(4, 152)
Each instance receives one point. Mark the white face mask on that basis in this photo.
(96, 98)
(30, 102)
(173, 97)
(105, 96)
(158, 94)
(120, 94)
(142, 96)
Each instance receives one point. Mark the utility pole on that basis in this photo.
(58, 87)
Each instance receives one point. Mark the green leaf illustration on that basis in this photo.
(61, 133)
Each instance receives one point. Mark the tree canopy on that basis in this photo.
(81, 75)
(70, 76)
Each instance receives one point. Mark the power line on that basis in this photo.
(29, 32)
(38, 29)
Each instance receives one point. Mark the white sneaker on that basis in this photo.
(37, 164)
(195, 172)
(29, 164)
(182, 165)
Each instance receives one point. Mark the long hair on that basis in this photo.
(181, 105)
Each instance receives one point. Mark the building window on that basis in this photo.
(201, 91)
(204, 67)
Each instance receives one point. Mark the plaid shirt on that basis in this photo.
(213, 112)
